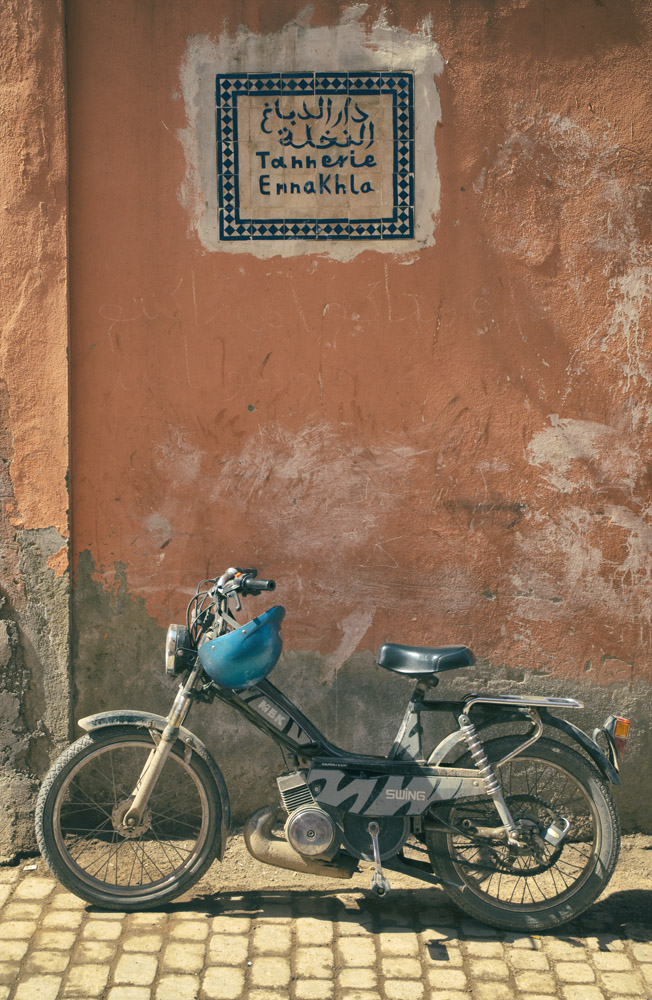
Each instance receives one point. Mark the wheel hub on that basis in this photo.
(118, 818)
(532, 815)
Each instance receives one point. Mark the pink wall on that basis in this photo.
(444, 445)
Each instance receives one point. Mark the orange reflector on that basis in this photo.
(621, 729)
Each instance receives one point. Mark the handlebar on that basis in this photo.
(251, 586)
(244, 581)
(211, 605)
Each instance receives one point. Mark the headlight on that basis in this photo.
(179, 654)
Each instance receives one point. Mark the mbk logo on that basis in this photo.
(278, 718)
(405, 793)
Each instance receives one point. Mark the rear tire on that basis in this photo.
(545, 886)
(78, 821)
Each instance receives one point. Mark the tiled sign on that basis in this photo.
(315, 156)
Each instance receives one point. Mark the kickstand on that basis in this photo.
(379, 884)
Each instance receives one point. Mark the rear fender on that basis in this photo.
(147, 720)
(590, 747)
(599, 758)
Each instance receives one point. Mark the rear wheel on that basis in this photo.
(539, 884)
(82, 836)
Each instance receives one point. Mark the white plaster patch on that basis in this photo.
(636, 568)
(633, 293)
(566, 562)
(577, 453)
(315, 493)
(300, 47)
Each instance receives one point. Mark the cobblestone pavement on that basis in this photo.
(274, 944)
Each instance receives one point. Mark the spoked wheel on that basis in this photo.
(539, 884)
(80, 821)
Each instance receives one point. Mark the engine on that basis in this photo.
(309, 828)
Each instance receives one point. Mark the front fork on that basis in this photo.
(158, 756)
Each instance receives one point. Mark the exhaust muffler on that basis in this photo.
(263, 845)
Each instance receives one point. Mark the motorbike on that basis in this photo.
(511, 812)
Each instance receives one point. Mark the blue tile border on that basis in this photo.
(230, 87)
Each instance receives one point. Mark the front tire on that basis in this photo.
(82, 802)
(541, 886)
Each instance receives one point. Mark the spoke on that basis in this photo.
(513, 891)
(70, 808)
(572, 847)
(145, 857)
(113, 856)
(93, 802)
(133, 865)
(115, 798)
(575, 868)
(111, 850)
(182, 852)
(167, 856)
(88, 845)
(134, 848)
(175, 848)
(559, 872)
(175, 819)
(83, 829)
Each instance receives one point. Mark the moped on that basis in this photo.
(518, 827)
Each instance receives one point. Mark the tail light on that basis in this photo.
(620, 731)
(617, 729)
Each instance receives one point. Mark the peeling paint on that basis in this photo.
(58, 562)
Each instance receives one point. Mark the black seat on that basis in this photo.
(422, 661)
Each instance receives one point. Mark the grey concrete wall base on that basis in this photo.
(119, 664)
(35, 685)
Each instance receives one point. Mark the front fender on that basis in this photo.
(590, 747)
(148, 720)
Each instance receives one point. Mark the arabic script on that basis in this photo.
(323, 128)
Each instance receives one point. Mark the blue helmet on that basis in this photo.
(244, 656)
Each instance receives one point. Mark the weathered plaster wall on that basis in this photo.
(448, 444)
(34, 578)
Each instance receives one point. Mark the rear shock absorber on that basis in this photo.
(489, 780)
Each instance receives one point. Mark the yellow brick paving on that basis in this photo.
(319, 945)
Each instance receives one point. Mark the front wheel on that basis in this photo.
(87, 846)
(540, 884)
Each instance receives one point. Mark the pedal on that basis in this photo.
(379, 884)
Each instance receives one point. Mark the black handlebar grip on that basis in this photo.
(258, 586)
